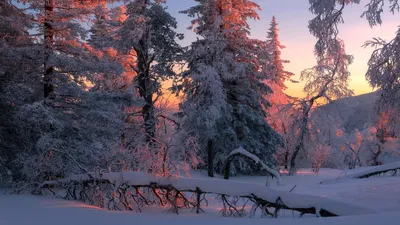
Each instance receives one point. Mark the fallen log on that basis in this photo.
(376, 170)
(129, 190)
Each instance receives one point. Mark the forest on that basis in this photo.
(86, 109)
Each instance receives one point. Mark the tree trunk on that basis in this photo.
(375, 161)
(210, 157)
(228, 168)
(146, 90)
(48, 50)
(292, 170)
(164, 162)
(300, 143)
(286, 158)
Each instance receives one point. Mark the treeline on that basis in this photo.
(77, 99)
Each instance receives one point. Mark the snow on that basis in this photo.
(379, 193)
(31, 210)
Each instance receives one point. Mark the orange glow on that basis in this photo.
(87, 206)
(69, 204)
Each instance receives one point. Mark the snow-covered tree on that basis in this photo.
(319, 156)
(277, 76)
(40, 133)
(284, 121)
(223, 105)
(383, 73)
(279, 113)
(384, 137)
(278, 73)
(325, 82)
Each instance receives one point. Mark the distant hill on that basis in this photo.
(357, 112)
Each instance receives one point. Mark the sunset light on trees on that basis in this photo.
(242, 108)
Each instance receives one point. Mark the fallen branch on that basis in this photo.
(376, 170)
(244, 153)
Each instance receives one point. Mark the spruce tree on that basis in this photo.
(224, 105)
(277, 77)
(149, 31)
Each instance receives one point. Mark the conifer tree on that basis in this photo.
(224, 93)
(279, 75)
(277, 78)
(149, 32)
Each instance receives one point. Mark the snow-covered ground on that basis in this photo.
(379, 193)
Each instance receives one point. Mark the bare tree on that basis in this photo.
(325, 82)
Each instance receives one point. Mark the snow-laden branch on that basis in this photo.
(243, 152)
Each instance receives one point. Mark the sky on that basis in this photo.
(293, 17)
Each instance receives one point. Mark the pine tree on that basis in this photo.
(277, 78)
(224, 88)
(280, 76)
